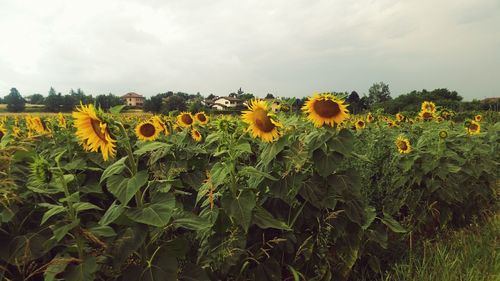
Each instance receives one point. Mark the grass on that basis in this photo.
(471, 254)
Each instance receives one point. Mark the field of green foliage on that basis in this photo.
(317, 195)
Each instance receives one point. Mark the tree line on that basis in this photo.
(57, 102)
(378, 97)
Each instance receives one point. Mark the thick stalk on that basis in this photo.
(131, 160)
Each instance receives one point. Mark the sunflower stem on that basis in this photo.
(132, 161)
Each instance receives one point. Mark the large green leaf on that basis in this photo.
(219, 173)
(393, 224)
(151, 146)
(52, 211)
(157, 213)
(112, 213)
(84, 271)
(263, 219)
(114, 169)
(240, 208)
(124, 189)
(325, 164)
(84, 206)
(342, 143)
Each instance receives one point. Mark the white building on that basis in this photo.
(222, 103)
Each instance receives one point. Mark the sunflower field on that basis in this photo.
(316, 195)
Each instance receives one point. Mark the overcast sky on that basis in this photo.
(285, 47)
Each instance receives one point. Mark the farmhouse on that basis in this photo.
(222, 103)
(133, 99)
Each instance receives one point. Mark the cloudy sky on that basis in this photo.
(285, 47)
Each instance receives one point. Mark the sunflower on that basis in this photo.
(93, 132)
(426, 115)
(61, 120)
(325, 108)
(428, 106)
(16, 132)
(443, 134)
(391, 124)
(400, 117)
(195, 135)
(185, 119)
(261, 123)
(360, 124)
(369, 117)
(473, 128)
(403, 145)
(3, 131)
(439, 119)
(147, 131)
(445, 114)
(201, 118)
(158, 122)
(478, 118)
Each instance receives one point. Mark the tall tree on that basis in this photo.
(269, 96)
(36, 99)
(353, 101)
(53, 102)
(14, 101)
(107, 101)
(378, 93)
(172, 103)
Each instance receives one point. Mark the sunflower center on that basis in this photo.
(427, 115)
(202, 117)
(402, 145)
(1, 135)
(147, 130)
(187, 119)
(96, 126)
(262, 121)
(361, 123)
(473, 127)
(326, 108)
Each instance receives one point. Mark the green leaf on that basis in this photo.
(219, 173)
(342, 143)
(125, 189)
(192, 222)
(61, 231)
(151, 146)
(112, 213)
(252, 171)
(240, 208)
(57, 265)
(84, 206)
(84, 271)
(271, 150)
(242, 147)
(394, 225)
(263, 219)
(370, 217)
(156, 214)
(117, 109)
(52, 211)
(325, 164)
(103, 231)
(113, 169)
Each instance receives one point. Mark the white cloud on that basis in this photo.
(289, 47)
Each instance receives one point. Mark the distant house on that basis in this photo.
(222, 103)
(133, 99)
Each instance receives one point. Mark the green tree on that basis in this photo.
(53, 102)
(269, 96)
(378, 93)
(14, 101)
(37, 99)
(172, 103)
(107, 101)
